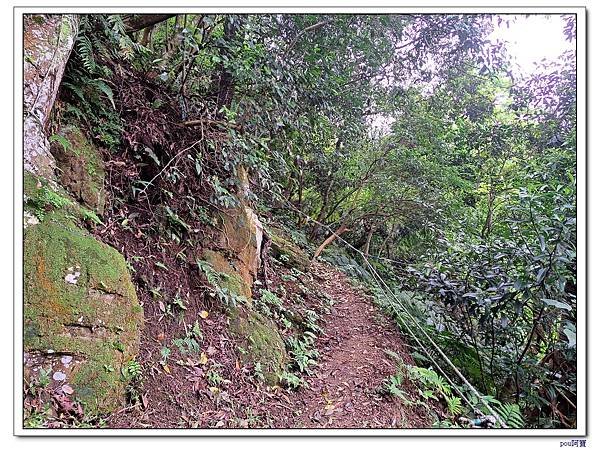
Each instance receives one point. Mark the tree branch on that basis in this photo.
(221, 123)
(137, 22)
(314, 27)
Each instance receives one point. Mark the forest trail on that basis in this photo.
(176, 186)
(346, 389)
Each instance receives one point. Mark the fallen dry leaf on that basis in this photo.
(204, 314)
(203, 358)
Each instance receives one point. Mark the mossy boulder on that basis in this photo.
(42, 197)
(232, 281)
(261, 342)
(79, 300)
(286, 251)
(80, 167)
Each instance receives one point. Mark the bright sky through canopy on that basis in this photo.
(529, 39)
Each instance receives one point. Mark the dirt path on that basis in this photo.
(346, 389)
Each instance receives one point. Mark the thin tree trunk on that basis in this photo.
(386, 240)
(166, 37)
(225, 87)
(368, 243)
(487, 226)
(300, 189)
(341, 229)
(322, 211)
(146, 36)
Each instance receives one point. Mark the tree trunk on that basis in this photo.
(386, 240)
(300, 189)
(487, 226)
(138, 22)
(321, 214)
(146, 36)
(47, 44)
(225, 86)
(341, 229)
(368, 243)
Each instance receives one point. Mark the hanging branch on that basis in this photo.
(138, 22)
(314, 27)
(221, 123)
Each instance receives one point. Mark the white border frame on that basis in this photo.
(581, 47)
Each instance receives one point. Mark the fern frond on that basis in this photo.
(75, 90)
(78, 113)
(85, 50)
(511, 414)
(104, 88)
(454, 405)
(117, 24)
(127, 48)
(64, 142)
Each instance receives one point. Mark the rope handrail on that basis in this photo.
(414, 320)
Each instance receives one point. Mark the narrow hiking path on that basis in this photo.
(346, 389)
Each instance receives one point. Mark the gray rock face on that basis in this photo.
(47, 44)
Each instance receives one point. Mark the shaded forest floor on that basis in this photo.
(344, 390)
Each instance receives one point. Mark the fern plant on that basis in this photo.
(302, 351)
(434, 385)
(90, 99)
(85, 50)
(132, 369)
(511, 415)
(216, 281)
(454, 405)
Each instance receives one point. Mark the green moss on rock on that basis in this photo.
(286, 251)
(42, 199)
(233, 281)
(241, 238)
(261, 341)
(80, 166)
(79, 300)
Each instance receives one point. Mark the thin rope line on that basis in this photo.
(399, 316)
(436, 347)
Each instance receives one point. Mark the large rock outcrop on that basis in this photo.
(47, 43)
(81, 167)
(82, 318)
(79, 301)
(236, 251)
(237, 254)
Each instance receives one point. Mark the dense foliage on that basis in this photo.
(408, 134)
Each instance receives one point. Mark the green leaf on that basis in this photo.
(541, 273)
(64, 142)
(511, 414)
(105, 89)
(571, 336)
(556, 304)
